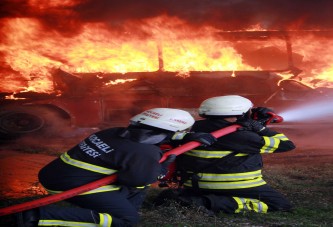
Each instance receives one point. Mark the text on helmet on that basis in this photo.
(178, 121)
(152, 114)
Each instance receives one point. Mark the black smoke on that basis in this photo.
(221, 14)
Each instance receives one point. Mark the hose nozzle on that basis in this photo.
(274, 118)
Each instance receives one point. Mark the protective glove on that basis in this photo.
(250, 125)
(261, 114)
(205, 139)
(164, 165)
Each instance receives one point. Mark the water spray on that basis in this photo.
(312, 111)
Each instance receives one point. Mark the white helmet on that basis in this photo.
(165, 118)
(229, 105)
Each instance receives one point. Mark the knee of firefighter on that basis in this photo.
(248, 204)
(218, 203)
(120, 221)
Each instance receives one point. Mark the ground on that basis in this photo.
(21, 160)
(302, 175)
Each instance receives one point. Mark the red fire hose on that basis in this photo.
(104, 181)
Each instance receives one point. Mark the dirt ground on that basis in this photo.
(20, 161)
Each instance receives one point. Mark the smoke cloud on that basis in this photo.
(68, 17)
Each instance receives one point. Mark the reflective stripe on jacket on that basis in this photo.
(105, 221)
(210, 154)
(227, 185)
(229, 176)
(106, 188)
(83, 165)
(234, 161)
(271, 144)
(248, 204)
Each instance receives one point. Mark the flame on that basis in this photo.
(118, 81)
(30, 52)
(325, 77)
(318, 61)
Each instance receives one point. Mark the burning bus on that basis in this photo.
(259, 65)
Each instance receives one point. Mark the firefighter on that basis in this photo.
(133, 153)
(227, 176)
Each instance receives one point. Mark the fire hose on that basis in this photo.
(104, 181)
(274, 118)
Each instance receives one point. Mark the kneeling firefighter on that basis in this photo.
(227, 175)
(133, 153)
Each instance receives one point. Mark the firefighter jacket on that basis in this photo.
(233, 162)
(119, 151)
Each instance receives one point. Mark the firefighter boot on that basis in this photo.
(166, 196)
(28, 218)
(202, 203)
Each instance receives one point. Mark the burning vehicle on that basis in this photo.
(259, 65)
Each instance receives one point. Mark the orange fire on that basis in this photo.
(119, 81)
(318, 60)
(30, 52)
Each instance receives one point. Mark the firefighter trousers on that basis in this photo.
(259, 199)
(111, 208)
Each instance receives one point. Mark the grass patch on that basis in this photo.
(309, 188)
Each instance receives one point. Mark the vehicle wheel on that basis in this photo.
(32, 120)
(20, 122)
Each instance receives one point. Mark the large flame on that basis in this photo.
(29, 52)
(317, 64)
